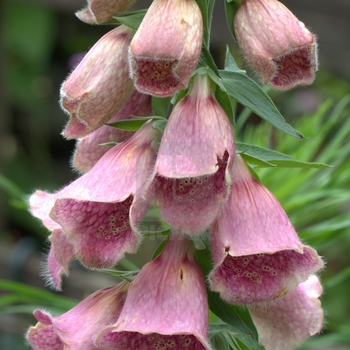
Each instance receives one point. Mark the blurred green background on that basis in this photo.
(39, 43)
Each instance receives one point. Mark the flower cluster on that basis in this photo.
(191, 172)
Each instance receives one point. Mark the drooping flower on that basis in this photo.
(275, 43)
(100, 210)
(100, 11)
(257, 254)
(99, 86)
(287, 322)
(77, 329)
(191, 176)
(166, 47)
(88, 150)
(166, 306)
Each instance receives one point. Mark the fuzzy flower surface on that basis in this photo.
(166, 47)
(166, 306)
(276, 44)
(99, 86)
(77, 329)
(257, 254)
(191, 177)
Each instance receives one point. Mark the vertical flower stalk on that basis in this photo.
(99, 86)
(257, 254)
(166, 306)
(275, 43)
(166, 47)
(191, 176)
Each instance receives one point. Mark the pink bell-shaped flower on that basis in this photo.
(288, 322)
(191, 176)
(257, 254)
(166, 47)
(88, 150)
(100, 11)
(100, 210)
(99, 86)
(78, 328)
(275, 43)
(166, 305)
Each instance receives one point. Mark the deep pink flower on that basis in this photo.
(287, 322)
(100, 210)
(166, 47)
(191, 177)
(99, 86)
(257, 253)
(166, 306)
(275, 43)
(88, 151)
(77, 329)
(100, 11)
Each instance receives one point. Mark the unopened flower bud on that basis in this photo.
(275, 43)
(100, 11)
(99, 86)
(166, 47)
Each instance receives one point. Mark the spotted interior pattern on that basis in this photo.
(190, 204)
(100, 232)
(157, 75)
(295, 67)
(259, 277)
(153, 341)
(43, 337)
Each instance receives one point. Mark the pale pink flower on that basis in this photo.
(286, 323)
(88, 149)
(78, 328)
(166, 306)
(191, 176)
(99, 86)
(166, 47)
(100, 11)
(275, 43)
(257, 253)
(99, 212)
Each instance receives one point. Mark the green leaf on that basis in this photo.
(231, 7)
(219, 342)
(226, 103)
(161, 105)
(230, 63)
(264, 157)
(207, 61)
(133, 124)
(160, 125)
(12, 189)
(248, 93)
(131, 19)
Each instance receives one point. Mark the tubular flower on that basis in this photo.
(100, 210)
(166, 306)
(99, 86)
(275, 43)
(78, 328)
(100, 11)
(88, 150)
(166, 47)
(191, 176)
(287, 322)
(257, 254)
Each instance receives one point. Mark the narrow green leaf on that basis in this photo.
(219, 342)
(226, 103)
(206, 60)
(132, 124)
(131, 19)
(248, 93)
(231, 7)
(230, 63)
(265, 157)
(160, 125)
(12, 189)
